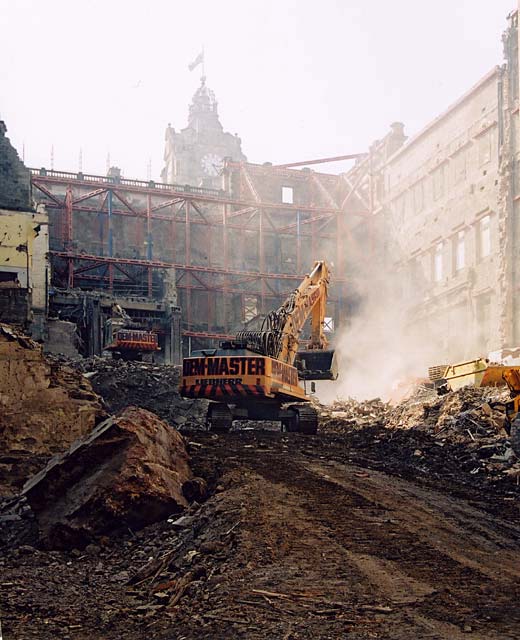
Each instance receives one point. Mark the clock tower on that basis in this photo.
(195, 155)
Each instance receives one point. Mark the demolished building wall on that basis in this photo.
(440, 221)
(15, 187)
(510, 187)
(24, 245)
(241, 249)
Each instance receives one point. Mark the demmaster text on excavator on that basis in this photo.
(254, 376)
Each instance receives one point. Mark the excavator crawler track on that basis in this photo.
(305, 419)
(219, 417)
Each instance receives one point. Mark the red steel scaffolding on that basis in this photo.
(109, 232)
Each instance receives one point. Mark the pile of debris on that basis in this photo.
(131, 470)
(472, 418)
(44, 407)
(463, 414)
(345, 415)
(154, 387)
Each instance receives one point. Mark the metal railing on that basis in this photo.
(129, 182)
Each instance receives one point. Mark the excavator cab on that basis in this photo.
(316, 364)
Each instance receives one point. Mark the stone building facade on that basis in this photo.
(440, 219)
(445, 206)
(195, 155)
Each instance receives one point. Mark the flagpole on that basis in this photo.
(203, 64)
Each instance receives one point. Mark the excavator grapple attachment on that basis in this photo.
(317, 364)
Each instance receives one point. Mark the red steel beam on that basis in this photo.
(303, 163)
(87, 196)
(169, 265)
(254, 292)
(169, 218)
(48, 193)
(189, 196)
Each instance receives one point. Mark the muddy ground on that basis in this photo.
(334, 536)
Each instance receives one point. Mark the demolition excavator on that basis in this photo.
(256, 375)
(483, 373)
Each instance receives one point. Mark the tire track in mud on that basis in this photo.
(448, 569)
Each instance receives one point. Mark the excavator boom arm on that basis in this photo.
(310, 298)
(280, 333)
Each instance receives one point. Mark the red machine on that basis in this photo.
(130, 344)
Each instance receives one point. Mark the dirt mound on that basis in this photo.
(305, 537)
(128, 472)
(44, 407)
(152, 387)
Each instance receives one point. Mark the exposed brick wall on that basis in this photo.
(15, 190)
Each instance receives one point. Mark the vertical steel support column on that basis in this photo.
(210, 295)
(173, 232)
(140, 236)
(149, 236)
(101, 224)
(187, 261)
(110, 230)
(68, 218)
(339, 245)
(298, 245)
(225, 245)
(149, 241)
(70, 279)
(67, 238)
(150, 282)
(313, 241)
(110, 277)
(261, 255)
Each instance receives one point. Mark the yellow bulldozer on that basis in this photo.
(254, 376)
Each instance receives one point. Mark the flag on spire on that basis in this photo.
(198, 60)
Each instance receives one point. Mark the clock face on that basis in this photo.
(212, 164)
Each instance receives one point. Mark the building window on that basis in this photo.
(437, 262)
(438, 182)
(250, 308)
(484, 237)
(459, 251)
(287, 195)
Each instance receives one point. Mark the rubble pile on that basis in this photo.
(344, 415)
(467, 418)
(459, 414)
(131, 470)
(130, 585)
(44, 407)
(152, 387)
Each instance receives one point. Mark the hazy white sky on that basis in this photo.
(295, 79)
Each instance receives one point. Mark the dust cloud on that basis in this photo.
(376, 354)
(379, 350)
